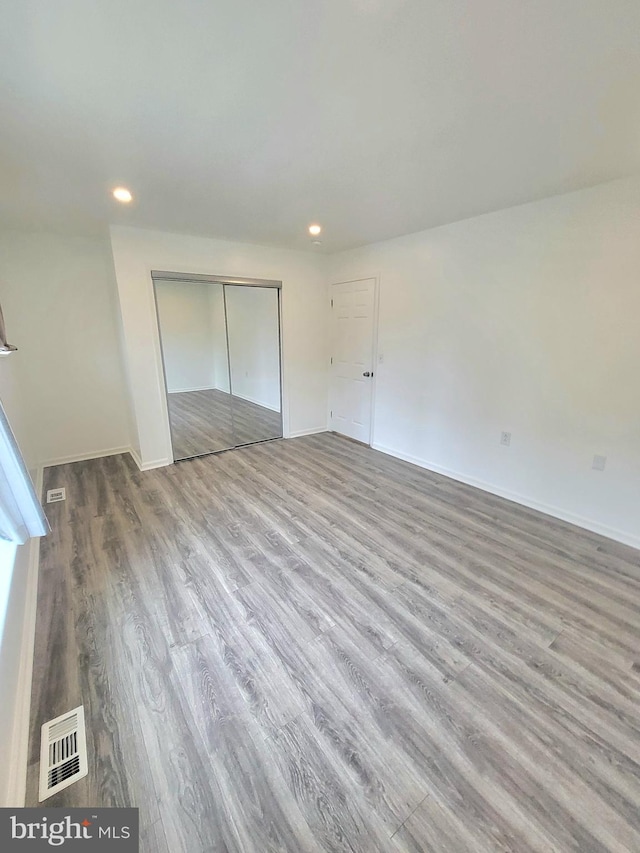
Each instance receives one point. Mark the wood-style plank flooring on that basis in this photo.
(307, 645)
(212, 420)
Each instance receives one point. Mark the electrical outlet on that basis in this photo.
(598, 463)
(55, 495)
(505, 438)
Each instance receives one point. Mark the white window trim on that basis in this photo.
(21, 516)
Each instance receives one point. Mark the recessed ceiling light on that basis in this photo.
(122, 194)
(314, 230)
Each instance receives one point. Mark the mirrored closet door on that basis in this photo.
(222, 361)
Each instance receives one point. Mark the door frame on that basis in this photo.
(374, 347)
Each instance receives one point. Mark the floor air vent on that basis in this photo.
(63, 753)
(55, 495)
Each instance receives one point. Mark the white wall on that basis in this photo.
(254, 349)
(18, 578)
(18, 588)
(59, 299)
(64, 393)
(186, 326)
(525, 320)
(136, 252)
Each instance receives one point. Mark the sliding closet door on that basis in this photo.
(253, 330)
(193, 335)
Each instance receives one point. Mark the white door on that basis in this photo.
(352, 314)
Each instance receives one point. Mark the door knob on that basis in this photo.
(368, 373)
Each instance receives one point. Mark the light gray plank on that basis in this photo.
(354, 653)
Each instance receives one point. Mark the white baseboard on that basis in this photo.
(148, 466)
(523, 500)
(134, 455)
(82, 457)
(256, 402)
(156, 463)
(198, 388)
(19, 757)
(240, 396)
(302, 432)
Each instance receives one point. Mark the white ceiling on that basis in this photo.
(248, 119)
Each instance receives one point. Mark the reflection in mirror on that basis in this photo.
(254, 357)
(194, 348)
(221, 354)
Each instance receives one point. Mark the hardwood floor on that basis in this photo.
(309, 646)
(212, 420)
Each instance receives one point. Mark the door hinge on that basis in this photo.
(332, 303)
(331, 359)
(331, 413)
